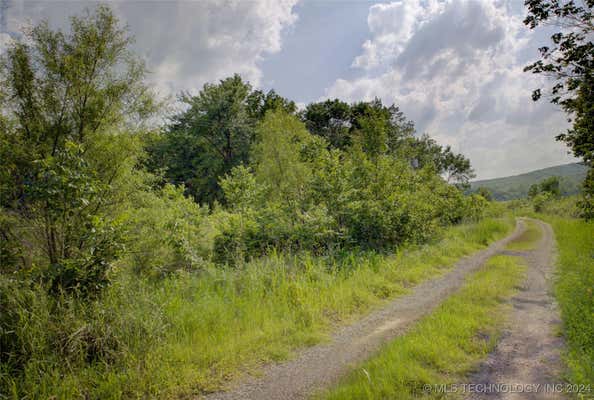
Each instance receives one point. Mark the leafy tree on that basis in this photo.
(571, 59)
(205, 142)
(570, 62)
(540, 201)
(339, 123)
(80, 242)
(424, 152)
(551, 186)
(167, 232)
(259, 103)
(241, 189)
(379, 129)
(372, 135)
(486, 193)
(331, 120)
(456, 168)
(580, 137)
(587, 204)
(533, 190)
(277, 156)
(69, 96)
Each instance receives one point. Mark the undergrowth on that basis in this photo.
(192, 332)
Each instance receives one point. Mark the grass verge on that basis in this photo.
(528, 240)
(192, 333)
(574, 289)
(444, 346)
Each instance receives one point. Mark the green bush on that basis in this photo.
(254, 233)
(478, 207)
(45, 338)
(237, 239)
(60, 235)
(450, 204)
(166, 231)
(586, 203)
(301, 196)
(541, 200)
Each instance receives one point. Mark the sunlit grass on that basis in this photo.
(528, 240)
(444, 346)
(574, 289)
(193, 333)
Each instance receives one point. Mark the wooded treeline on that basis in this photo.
(91, 189)
(87, 180)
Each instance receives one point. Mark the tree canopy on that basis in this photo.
(570, 63)
(67, 99)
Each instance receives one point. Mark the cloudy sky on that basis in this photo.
(453, 66)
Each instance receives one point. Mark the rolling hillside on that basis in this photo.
(514, 187)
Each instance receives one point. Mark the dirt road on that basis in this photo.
(321, 365)
(528, 356)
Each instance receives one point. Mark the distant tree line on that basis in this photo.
(217, 132)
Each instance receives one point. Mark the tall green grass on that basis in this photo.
(574, 289)
(444, 346)
(191, 333)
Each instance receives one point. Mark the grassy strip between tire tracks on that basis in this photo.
(444, 347)
(528, 240)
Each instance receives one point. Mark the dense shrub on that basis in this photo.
(550, 186)
(302, 196)
(478, 207)
(166, 231)
(564, 206)
(253, 233)
(540, 200)
(586, 203)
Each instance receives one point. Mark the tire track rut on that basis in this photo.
(319, 366)
(529, 351)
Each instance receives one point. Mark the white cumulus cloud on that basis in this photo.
(186, 43)
(456, 69)
(190, 43)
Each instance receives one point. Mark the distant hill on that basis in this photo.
(515, 187)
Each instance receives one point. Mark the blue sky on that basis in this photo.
(453, 66)
(318, 48)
